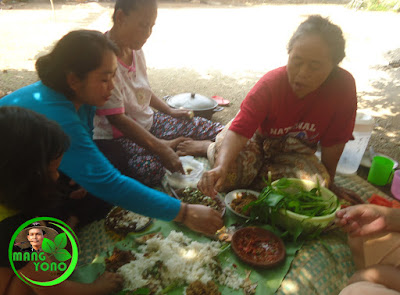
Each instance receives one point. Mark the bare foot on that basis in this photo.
(173, 143)
(193, 148)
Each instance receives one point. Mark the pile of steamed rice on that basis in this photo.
(183, 261)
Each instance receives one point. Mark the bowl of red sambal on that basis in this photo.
(258, 247)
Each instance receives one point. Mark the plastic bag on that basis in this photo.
(193, 172)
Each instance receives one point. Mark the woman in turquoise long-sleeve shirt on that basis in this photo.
(75, 78)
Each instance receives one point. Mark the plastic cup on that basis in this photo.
(395, 189)
(381, 170)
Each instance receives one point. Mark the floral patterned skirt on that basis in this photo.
(136, 162)
(284, 157)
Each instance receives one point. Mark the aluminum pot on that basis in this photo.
(201, 105)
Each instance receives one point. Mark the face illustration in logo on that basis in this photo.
(35, 238)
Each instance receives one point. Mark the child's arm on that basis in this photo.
(104, 285)
(386, 275)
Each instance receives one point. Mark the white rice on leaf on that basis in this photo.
(183, 261)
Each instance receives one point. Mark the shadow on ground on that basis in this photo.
(386, 111)
(233, 87)
(11, 79)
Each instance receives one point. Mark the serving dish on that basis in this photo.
(290, 220)
(123, 221)
(258, 247)
(232, 197)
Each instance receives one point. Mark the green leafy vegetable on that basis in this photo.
(288, 195)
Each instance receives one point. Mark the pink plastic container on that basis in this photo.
(395, 189)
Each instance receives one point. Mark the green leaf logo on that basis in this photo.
(56, 248)
(60, 241)
(62, 255)
(48, 246)
(52, 249)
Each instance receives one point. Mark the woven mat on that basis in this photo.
(320, 267)
(324, 266)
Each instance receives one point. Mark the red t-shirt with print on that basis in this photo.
(326, 114)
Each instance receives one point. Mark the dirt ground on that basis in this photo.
(219, 49)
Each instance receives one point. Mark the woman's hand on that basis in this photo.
(361, 220)
(181, 113)
(212, 181)
(173, 143)
(170, 159)
(202, 219)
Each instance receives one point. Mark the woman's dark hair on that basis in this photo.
(129, 5)
(30, 143)
(329, 32)
(78, 52)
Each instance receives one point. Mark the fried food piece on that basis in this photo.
(198, 288)
(242, 200)
(118, 259)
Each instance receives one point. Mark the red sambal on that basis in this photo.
(259, 249)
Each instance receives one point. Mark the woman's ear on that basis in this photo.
(119, 17)
(73, 81)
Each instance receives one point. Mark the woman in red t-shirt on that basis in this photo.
(286, 114)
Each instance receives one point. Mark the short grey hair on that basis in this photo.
(332, 34)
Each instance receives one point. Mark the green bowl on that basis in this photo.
(291, 221)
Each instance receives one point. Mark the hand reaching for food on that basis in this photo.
(366, 219)
(170, 159)
(211, 181)
(200, 218)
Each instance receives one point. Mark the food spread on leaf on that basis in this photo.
(124, 221)
(164, 264)
(198, 287)
(118, 259)
(194, 196)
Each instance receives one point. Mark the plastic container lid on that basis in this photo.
(363, 117)
(364, 122)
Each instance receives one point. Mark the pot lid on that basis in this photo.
(191, 101)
